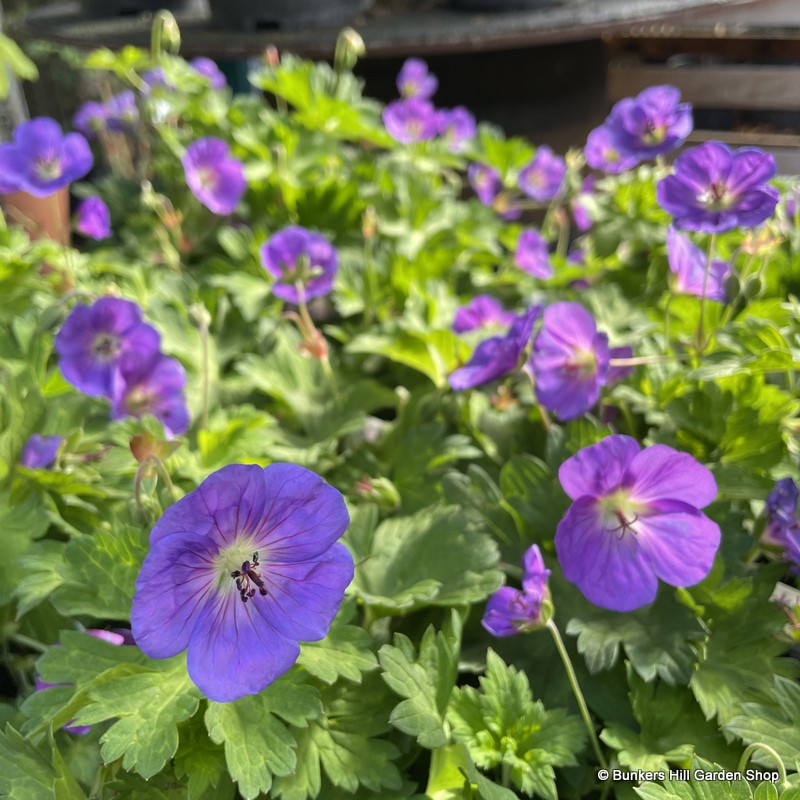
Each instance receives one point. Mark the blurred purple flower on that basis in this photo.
(498, 355)
(414, 80)
(122, 113)
(653, 122)
(297, 255)
(41, 159)
(569, 360)
(783, 526)
(40, 452)
(107, 636)
(544, 176)
(150, 384)
(635, 518)
(90, 118)
(580, 213)
(93, 219)
(209, 69)
(602, 154)
(412, 120)
(482, 311)
(239, 571)
(456, 126)
(532, 254)
(619, 373)
(485, 182)
(714, 189)
(510, 611)
(93, 339)
(215, 177)
(688, 263)
(155, 79)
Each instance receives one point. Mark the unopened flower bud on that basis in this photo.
(349, 48)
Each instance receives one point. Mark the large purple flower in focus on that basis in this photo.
(239, 571)
(653, 122)
(532, 254)
(510, 611)
(601, 153)
(215, 177)
(40, 452)
(544, 176)
(482, 311)
(41, 159)
(296, 255)
(635, 518)
(412, 120)
(714, 189)
(414, 80)
(498, 355)
(93, 218)
(570, 360)
(150, 384)
(688, 263)
(94, 338)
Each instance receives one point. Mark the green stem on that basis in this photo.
(155, 462)
(576, 690)
(700, 336)
(767, 749)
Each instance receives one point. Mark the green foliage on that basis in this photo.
(502, 726)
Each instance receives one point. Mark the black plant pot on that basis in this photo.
(264, 15)
(106, 9)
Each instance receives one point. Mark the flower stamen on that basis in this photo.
(246, 576)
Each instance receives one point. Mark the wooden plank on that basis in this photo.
(742, 87)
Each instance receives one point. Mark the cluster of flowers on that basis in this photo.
(106, 350)
(118, 114)
(570, 360)
(414, 118)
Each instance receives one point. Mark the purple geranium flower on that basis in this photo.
(296, 255)
(580, 213)
(150, 384)
(569, 360)
(90, 118)
(209, 69)
(688, 263)
(714, 189)
(239, 571)
(41, 159)
(602, 154)
(532, 254)
(783, 526)
(414, 80)
(485, 182)
(93, 339)
(93, 219)
(653, 122)
(509, 611)
(635, 518)
(456, 126)
(619, 373)
(40, 452)
(117, 638)
(482, 311)
(122, 113)
(498, 355)
(544, 176)
(215, 177)
(412, 120)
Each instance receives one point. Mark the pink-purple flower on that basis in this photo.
(209, 69)
(215, 177)
(93, 218)
(303, 263)
(239, 572)
(542, 179)
(688, 264)
(714, 189)
(635, 519)
(94, 338)
(456, 126)
(42, 159)
(150, 383)
(414, 80)
(783, 525)
(411, 120)
(498, 355)
(510, 611)
(481, 312)
(532, 254)
(601, 153)
(39, 452)
(570, 360)
(485, 182)
(653, 122)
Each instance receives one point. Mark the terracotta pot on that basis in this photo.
(42, 217)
